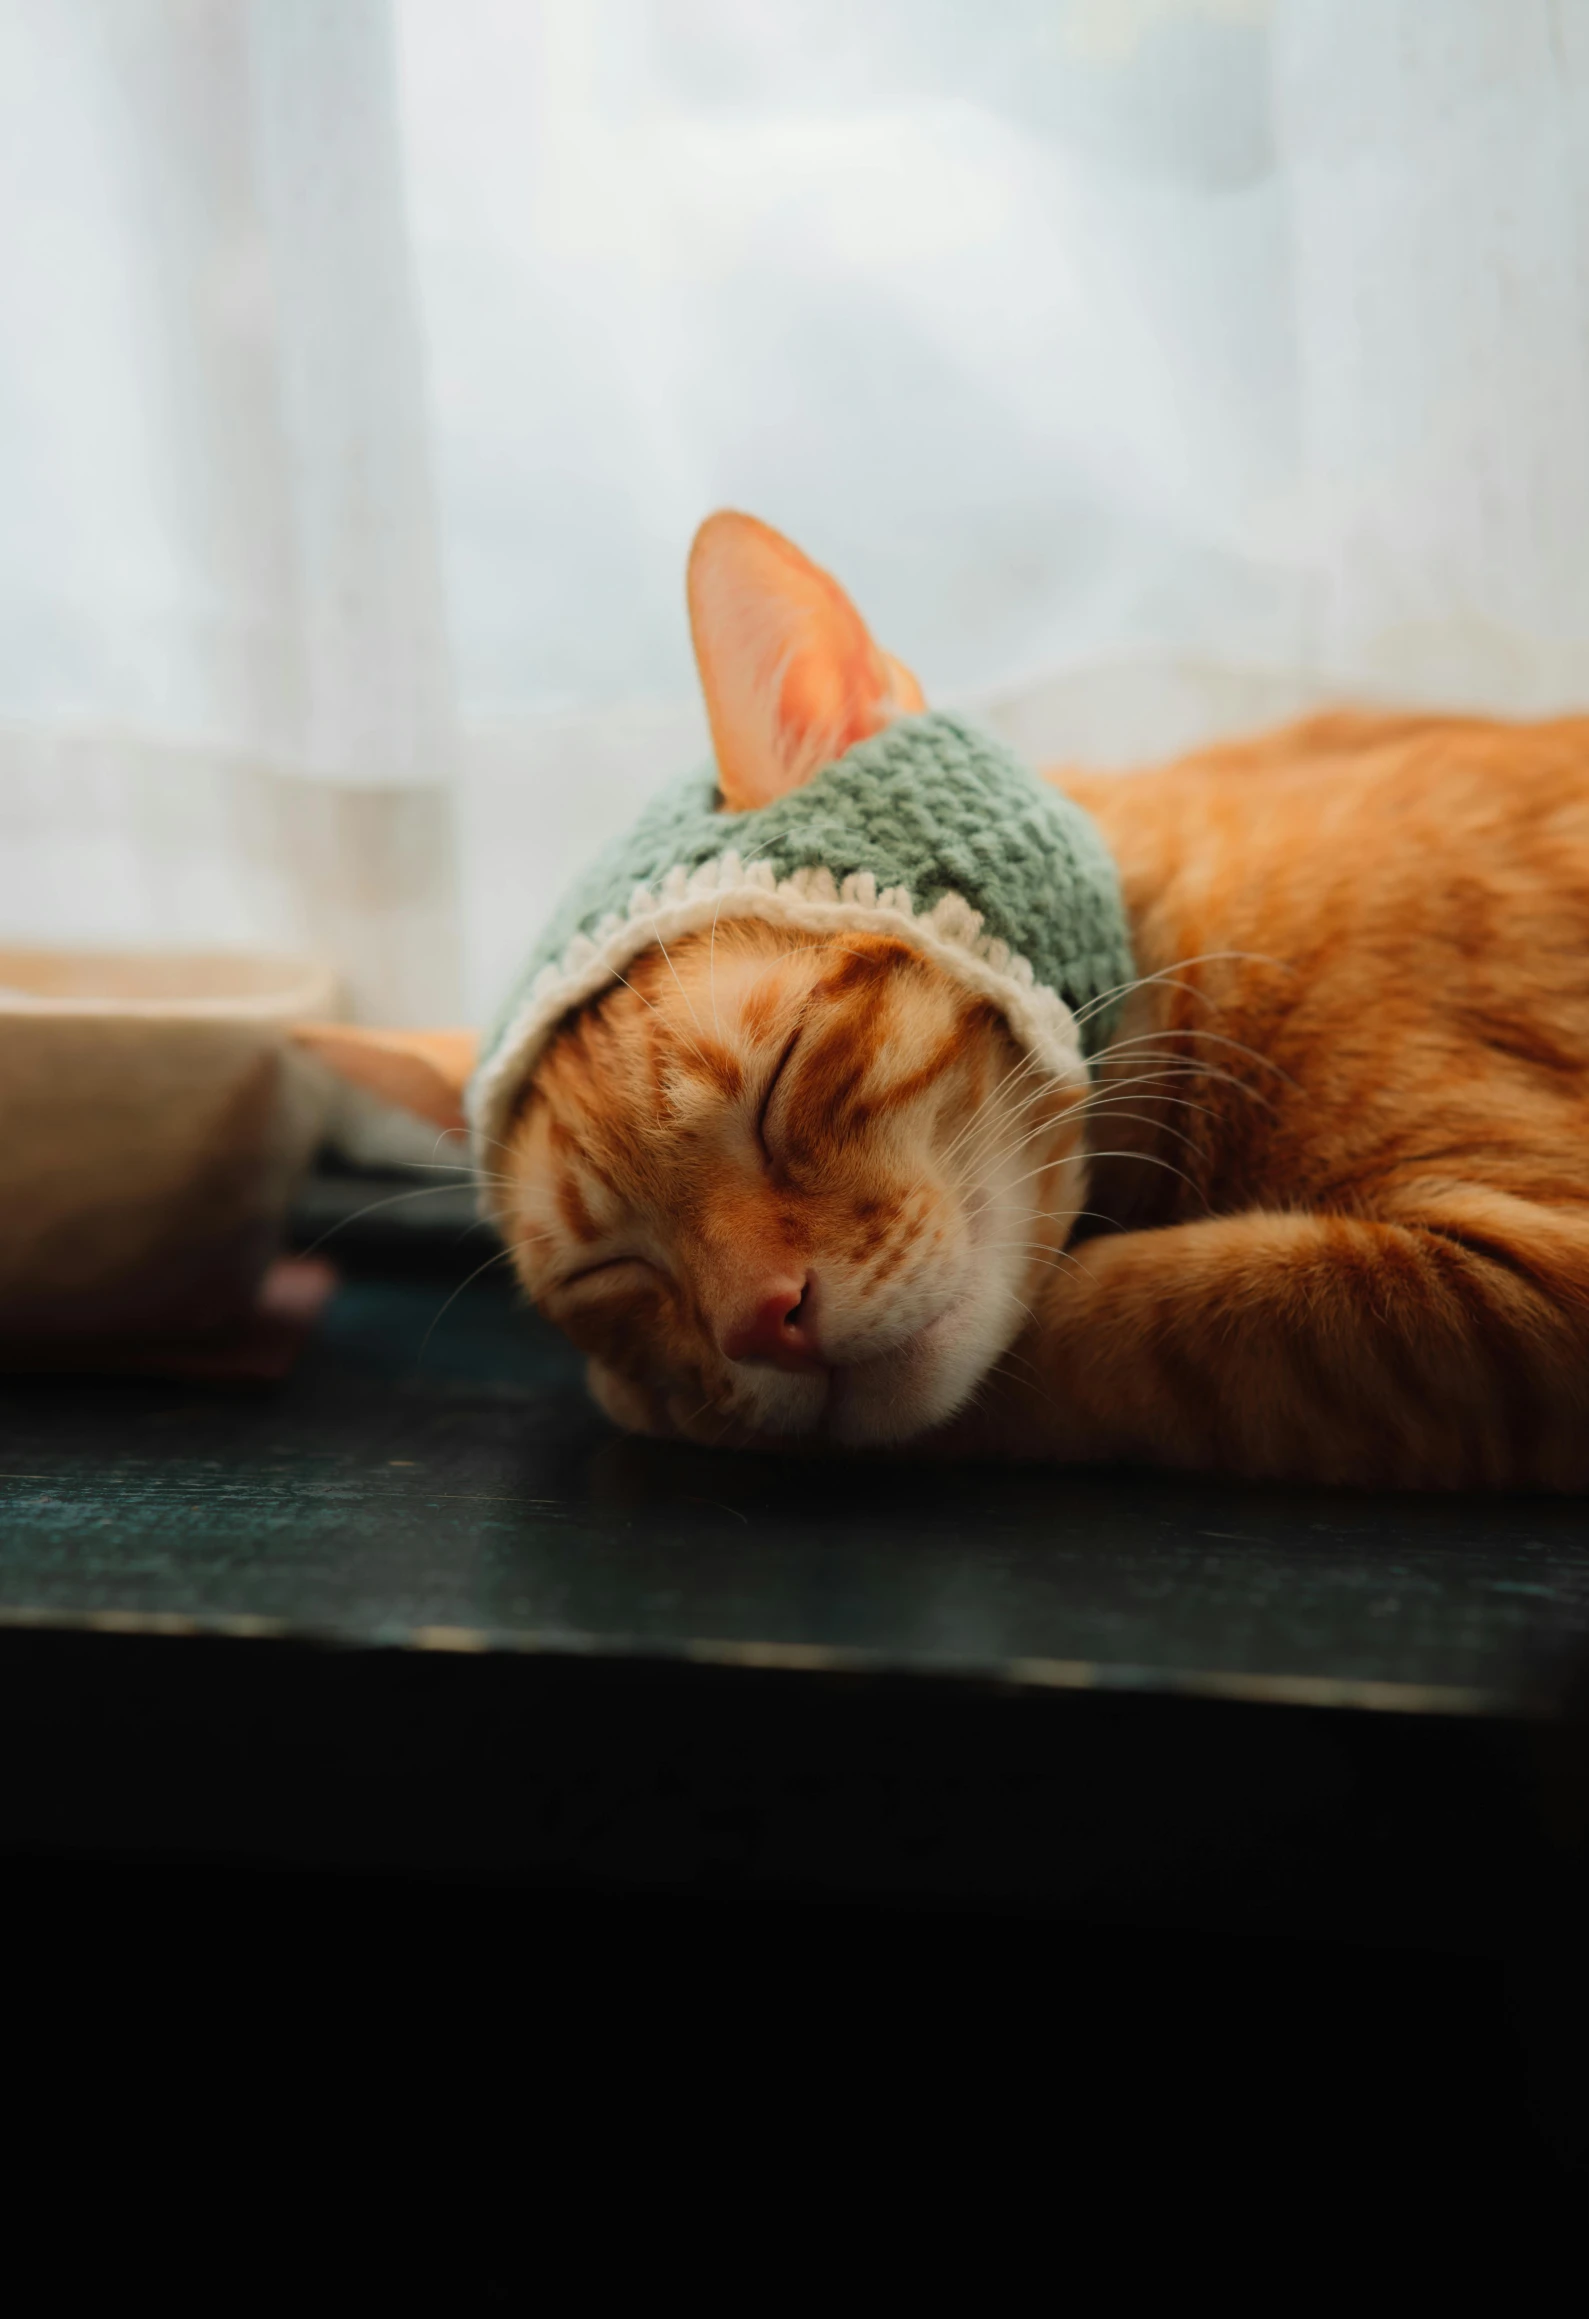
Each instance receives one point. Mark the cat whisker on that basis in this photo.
(673, 970)
(1144, 1119)
(942, 1159)
(657, 1011)
(1023, 1306)
(969, 1126)
(1041, 1248)
(1027, 1066)
(1053, 1247)
(502, 1256)
(1216, 1038)
(1009, 1151)
(449, 1168)
(1016, 1071)
(495, 1143)
(1051, 1119)
(1169, 974)
(697, 1414)
(1175, 1067)
(1039, 1383)
(1148, 1157)
(1110, 1088)
(474, 1179)
(443, 1135)
(1156, 1119)
(711, 947)
(392, 1200)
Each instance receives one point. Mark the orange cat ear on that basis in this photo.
(791, 676)
(422, 1071)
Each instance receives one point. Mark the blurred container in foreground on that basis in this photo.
(152, 1122)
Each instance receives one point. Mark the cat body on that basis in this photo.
(1318, 1211)
(1363, 1252)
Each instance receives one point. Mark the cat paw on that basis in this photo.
(660, 1414)
(664, 1414)
(635, 1408)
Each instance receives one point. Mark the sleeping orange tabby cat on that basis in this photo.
(1323, 1213)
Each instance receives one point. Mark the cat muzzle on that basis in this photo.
(777, 1329)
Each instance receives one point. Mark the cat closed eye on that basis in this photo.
(612, 1272)
(772, 1086)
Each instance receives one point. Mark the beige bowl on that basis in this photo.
(152, 1121)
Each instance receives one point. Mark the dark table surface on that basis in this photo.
(436, 1478)
(410, 1661)
(431, 1485)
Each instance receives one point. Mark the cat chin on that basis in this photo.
(778, 1405)
(891, 1398)
(908, 1390)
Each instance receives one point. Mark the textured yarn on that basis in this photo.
(930, 829)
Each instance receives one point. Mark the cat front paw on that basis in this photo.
(675, 1413)
(635, 1408)
(661, 1412)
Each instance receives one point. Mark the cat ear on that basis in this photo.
(791, 676)
(423, 1071)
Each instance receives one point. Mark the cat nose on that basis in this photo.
(778, 1327)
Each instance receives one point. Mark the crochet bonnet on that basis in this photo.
(930, 830)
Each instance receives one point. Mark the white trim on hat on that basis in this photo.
(688, 902)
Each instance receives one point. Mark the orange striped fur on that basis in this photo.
(762, 1106)
(1323, 1214)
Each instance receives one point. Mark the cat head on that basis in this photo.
(777, 1175)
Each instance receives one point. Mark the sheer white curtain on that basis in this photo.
(225, 702)
(1146, 367)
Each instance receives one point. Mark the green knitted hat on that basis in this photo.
(930, 831)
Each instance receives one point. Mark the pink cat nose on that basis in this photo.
(778, 1327)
